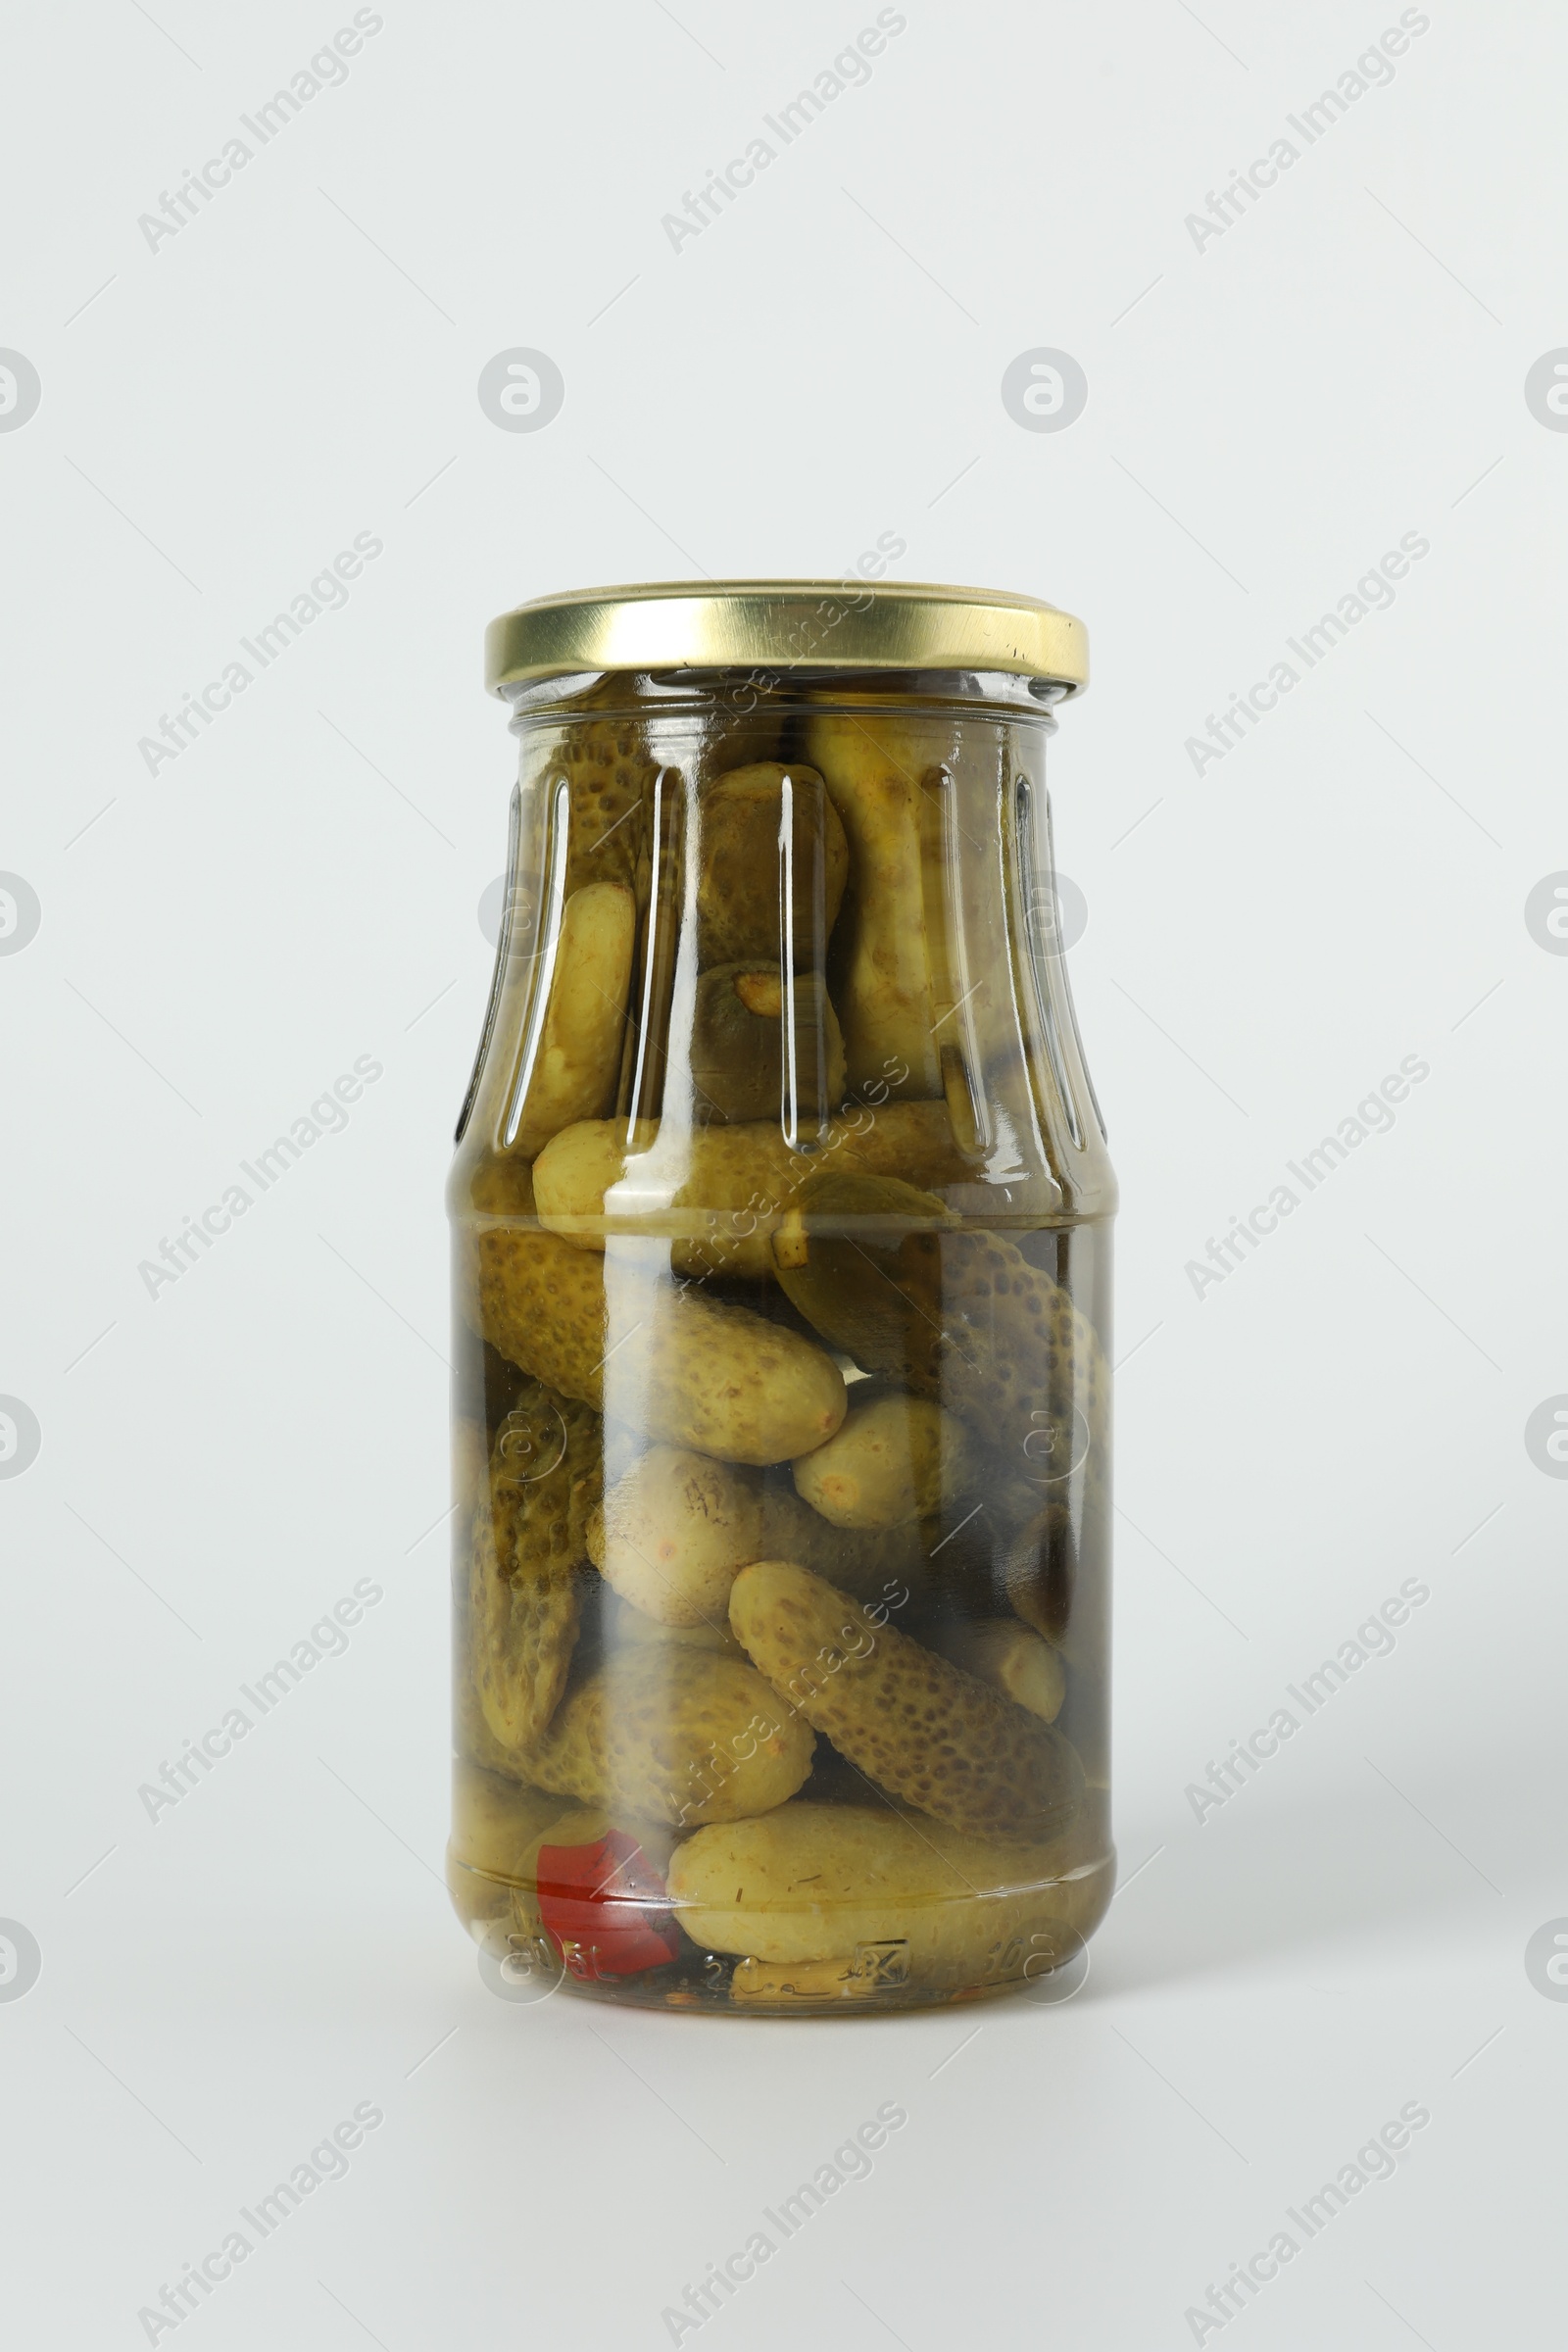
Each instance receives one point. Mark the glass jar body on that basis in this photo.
(781, 1219)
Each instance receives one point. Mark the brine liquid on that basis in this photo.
(598, 1917)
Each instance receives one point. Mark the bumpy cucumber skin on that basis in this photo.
(609, 772)
(737, 1180)
(738, 889)
(921, 1728)
(718, 1379)
(675, 1734)
(529, 1542)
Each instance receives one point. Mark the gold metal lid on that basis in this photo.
(783, 625)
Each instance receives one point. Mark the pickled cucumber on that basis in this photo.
(522, 1637)
(718, 1379)
(544, 1482)
(894, 1459)
(766, 1045)
(879, 774)
(921, 1728)
(886, 1276)
(734, 1183)
(673, 1533)
(959, 1315)
(572, 1758)
(608, 771)
(677, 1734)
(496, 1824)
(774, 866)
(577, 1060)
(676, 1526)
(855, 1894)
(525, 1592)
(1013, 1658)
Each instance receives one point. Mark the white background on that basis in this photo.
(219, 1463)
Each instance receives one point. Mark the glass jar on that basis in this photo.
(782, 1216)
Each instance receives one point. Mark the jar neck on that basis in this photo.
(742, 694)
(943, 967)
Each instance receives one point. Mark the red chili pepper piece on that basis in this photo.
(606, 1906)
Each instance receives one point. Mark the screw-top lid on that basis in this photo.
(785, 624)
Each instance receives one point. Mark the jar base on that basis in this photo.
(1044, 1959)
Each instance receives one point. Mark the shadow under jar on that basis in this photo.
(781, 1219)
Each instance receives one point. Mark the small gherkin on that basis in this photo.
(953, 1313)
(957, 1315)
(609, 772)
(529, 1544)
(915, 1725)
(736, 1182)
(961, 1317)
(716, 1378)
(774, 863)
(672, 1734)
